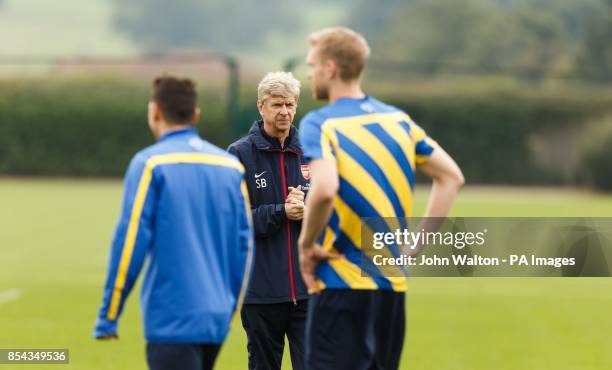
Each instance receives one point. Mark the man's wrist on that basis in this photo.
(281, 211)
(305, 244)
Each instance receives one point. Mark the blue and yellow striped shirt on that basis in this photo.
(377, 148)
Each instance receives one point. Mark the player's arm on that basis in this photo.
(131, 242)
(324, 185)
(447, 181)
(319, 205)
(320, 201)
(241, 273)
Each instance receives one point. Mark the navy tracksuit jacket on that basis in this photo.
(270, 170)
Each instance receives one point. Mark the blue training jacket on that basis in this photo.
(186, 207)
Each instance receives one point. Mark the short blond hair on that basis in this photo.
(278, 84)
(346, 47)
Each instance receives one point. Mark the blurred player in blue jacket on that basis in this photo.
(186, 210)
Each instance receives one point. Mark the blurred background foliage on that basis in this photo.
(212, 24)
(519, 91)
(538, 38)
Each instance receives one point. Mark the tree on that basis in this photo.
(212, 24)
(595, 58)
(531, 38)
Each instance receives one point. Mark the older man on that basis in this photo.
(277, 177)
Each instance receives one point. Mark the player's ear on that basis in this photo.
(196, 116)
(260, 105)
(154, 111)
(331, 68)
(153, 117)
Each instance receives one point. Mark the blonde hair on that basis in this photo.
(346, 47)
(278, 84)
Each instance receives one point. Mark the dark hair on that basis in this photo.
(176, 98)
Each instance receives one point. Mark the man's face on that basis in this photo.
(317, 74)
(278, 112)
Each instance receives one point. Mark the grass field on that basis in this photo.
(54, 238)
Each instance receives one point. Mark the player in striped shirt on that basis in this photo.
(363, 155)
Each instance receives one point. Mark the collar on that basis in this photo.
(179, 132)
(264, 142)
(348, 99)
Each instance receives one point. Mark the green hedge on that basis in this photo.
(78, 127)
(92, 127)
(489, 134)
(596, 155)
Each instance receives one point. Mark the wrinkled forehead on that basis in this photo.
(277, 99)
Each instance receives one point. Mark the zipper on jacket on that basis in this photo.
(291, 280)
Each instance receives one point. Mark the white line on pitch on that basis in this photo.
(10, 295)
